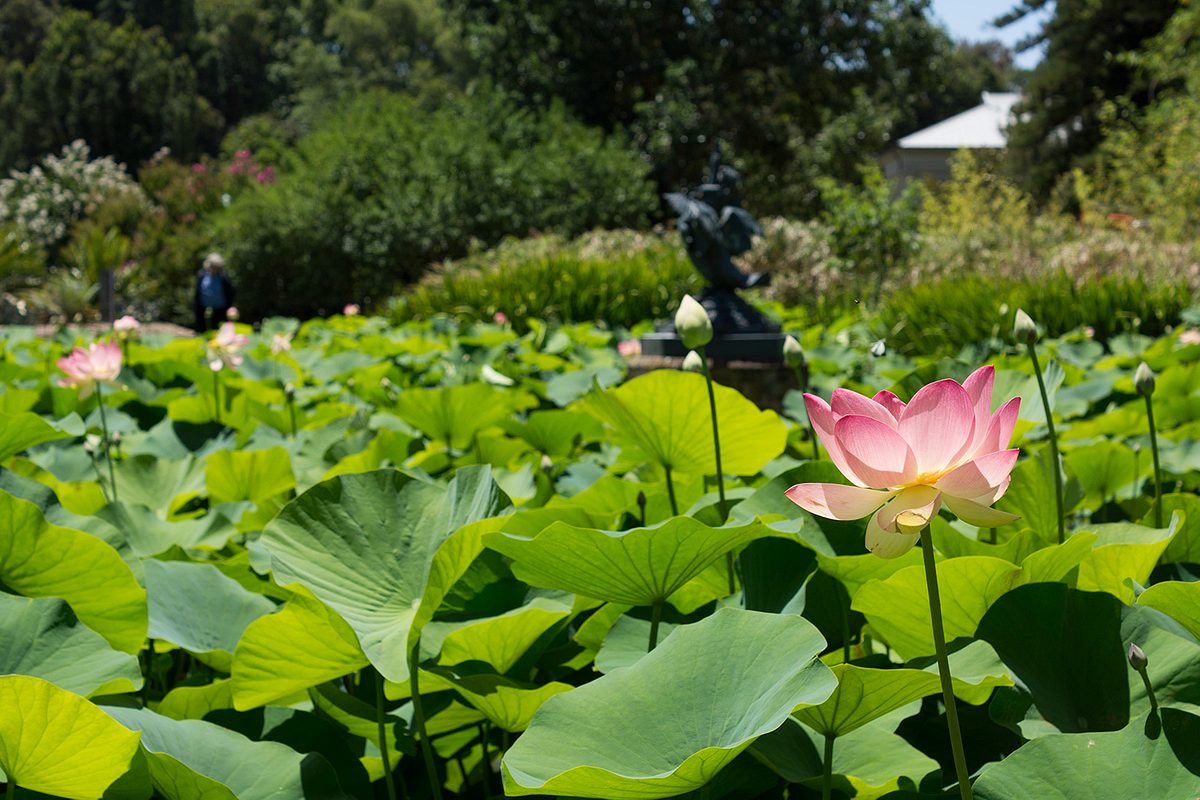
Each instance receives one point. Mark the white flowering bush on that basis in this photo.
(48, 199)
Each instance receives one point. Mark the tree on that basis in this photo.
(119, 88)
(1060, 118)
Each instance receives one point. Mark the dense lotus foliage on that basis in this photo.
(348, 560)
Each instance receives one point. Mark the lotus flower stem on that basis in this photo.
(487, 761)
(712, 409)
(1158, 512)
(939, 645)
(419, 717)
(827, 768)
(112, 479)
(655, 621)
(671, 493)
(383, 742)
(11, 793)
(217, 395)
(1058, 483)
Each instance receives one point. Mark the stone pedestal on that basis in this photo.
(764, 383)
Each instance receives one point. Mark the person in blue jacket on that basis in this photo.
(214, 292)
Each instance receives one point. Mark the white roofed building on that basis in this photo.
(927, 153)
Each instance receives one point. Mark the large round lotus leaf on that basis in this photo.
(195, 760)
(502, 641)
(452, 415)
(1185, 547)
(506, 703)
(1179, 600)
(1148, 758)
(198, 608)
(255, 475)
(1123, 552)
(640, 566)
(300, 646)
(21, 431)
(38, 559)
(57, 743)
(43, 637)
(669, 723)
(1174, 659)
(664, 415)
(365, 545)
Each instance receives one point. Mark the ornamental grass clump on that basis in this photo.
(906, 460)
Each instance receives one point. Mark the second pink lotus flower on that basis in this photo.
(945, 446)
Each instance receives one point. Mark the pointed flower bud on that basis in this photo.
(793, 356)
(1143, 379)
(1024, 330)
(1137, 658)
(692, 323)
(641, 501)
(692, 362)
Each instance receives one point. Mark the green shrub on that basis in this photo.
(940, 317)
(619, 278)
(389, 184)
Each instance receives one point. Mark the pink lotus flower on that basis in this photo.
(126, 326)
(224, 347)
(500, 318)
(906, 460)
(629, 348)
(280, 343)
(1190, 336)
(100, 362)
(351, 310)
(233, 313)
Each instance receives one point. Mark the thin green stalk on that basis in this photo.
(217, 394)
(383, 742)
(487, 762)
(1158, 515)
(844, 603)
(812, 431)
(1149, 691)
(419, 717)
(671, 494)
(112, 478)
(655, 621)
(939, 644)
(12, 789)
(827, 768)
(1058, 487)
(291, 401)
(712, 410)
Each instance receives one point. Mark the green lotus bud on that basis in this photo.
(692, 362)
(793, 356)
(1024, 330)
(289, 391)
(1137, 658)
(692, 323)
(1143, 379)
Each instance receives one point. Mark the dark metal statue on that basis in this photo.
(715, 227)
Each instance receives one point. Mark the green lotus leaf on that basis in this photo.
(898, 607)
(42, 637)
(38, 559)
(627, 642)
(191, 759)
(506, 703)
(24, 430)
(556, 432)
(1123, 552)
(825, 536)
(254, 475)
(664, 416)
(158, 483)
(1185, 547)
(55, 742)
(199, 609)
(452, 415)
(854, 572)
(502, 641)
(1064, 648)
(1174, 660)
(1102, 468)
(1179, 600)
(1147, 758)
(727, 680)
(640, 566)
(1031, 493)
(864, 695)
(194, 702)
(300, 646)
(365, 545)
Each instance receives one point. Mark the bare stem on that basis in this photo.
(1158, 512)
(655, 620)
(419, 716)
(671, 493)
(1058, 487)
(827, 768)
(383, 742)
(939, 645)
(112, 479)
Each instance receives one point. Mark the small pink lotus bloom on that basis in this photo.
(906, 460)
(126, 326)
(233, 313)
(224, 347)
(629, 348)
(1190, 336)
(351, 310)
(100, 362)
(280, 343)
(500, 318)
